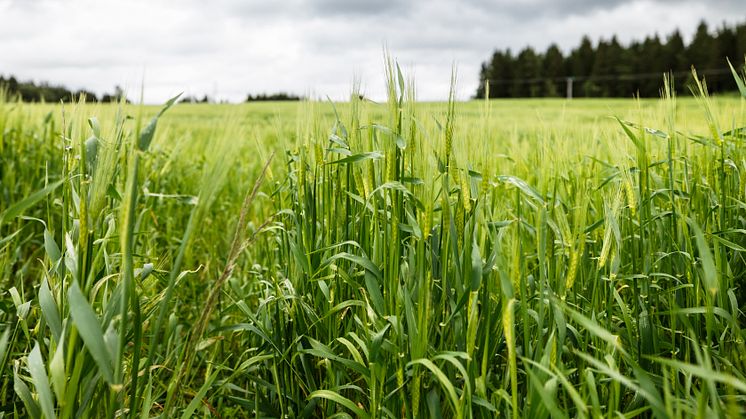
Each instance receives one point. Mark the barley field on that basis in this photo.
(469, 259)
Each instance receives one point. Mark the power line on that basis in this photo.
(609, 77)
(570, 80)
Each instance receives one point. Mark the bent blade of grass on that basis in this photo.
(523, 186)
(9, 237)
(444, 381)
(572, 391)
(637, 142)
(595, 329)
(339, 399)
(359, 260)
(19, 207)
(616, 375)
(704, 373)
(546, 396)
(147, 134)
(373, 155)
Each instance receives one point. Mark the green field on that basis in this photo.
(524, 258)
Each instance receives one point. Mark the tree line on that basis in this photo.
(281, 96)
(29, 91)
(261, 97)
(610, 69)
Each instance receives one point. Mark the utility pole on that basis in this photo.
(569, 87)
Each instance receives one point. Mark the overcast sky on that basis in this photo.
(228, 48)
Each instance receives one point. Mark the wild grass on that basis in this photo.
(505, 258)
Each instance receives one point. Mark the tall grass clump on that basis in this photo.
(400, 259)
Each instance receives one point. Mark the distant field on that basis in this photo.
(526, 258)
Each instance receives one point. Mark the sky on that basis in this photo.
(230, 48)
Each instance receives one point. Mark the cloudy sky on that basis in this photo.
(228, 48)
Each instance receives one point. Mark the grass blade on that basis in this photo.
(339, 399)
(19, 207)
(41, 382)
(84, 318)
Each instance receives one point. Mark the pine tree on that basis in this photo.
(500, 72)
(581, 63)
(740, 56)
(527, 66)
(612, 69)
(651, 59)
(553, 70)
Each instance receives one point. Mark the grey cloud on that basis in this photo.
(532, 9)
(234, 47)
(536, 8)
(359, 7)
(257, 11)
(242, 8)
(22, 4)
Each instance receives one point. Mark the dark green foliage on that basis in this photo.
(282, 96)
(30, 91)
(610, 69)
